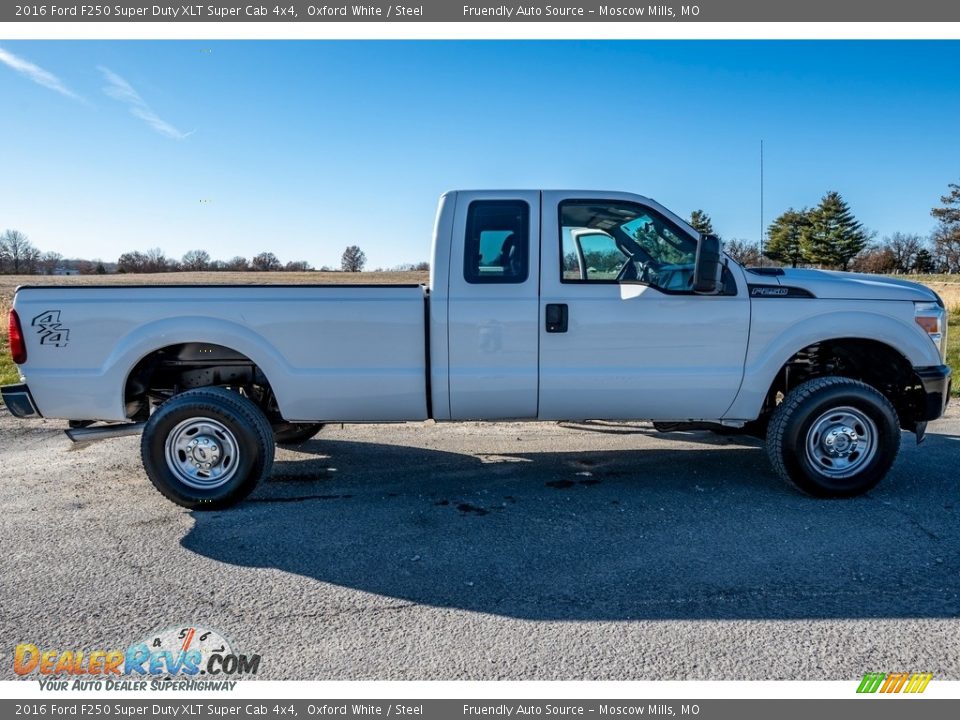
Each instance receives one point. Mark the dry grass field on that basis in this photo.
(947, 287)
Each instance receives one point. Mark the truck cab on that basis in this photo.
(573, 305)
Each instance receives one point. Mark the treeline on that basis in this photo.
(826, 236)
(18, 256)
(156, 261)
(830, 236)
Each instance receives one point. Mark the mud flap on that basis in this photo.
(920, 429)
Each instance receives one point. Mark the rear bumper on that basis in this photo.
(936, 382)
(19, 401)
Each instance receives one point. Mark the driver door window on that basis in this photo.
(624, 242)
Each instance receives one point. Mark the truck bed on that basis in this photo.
(330, 352)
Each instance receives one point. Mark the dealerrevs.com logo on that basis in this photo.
(178, 658)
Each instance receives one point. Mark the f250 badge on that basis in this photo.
(50, 330)
(768, 291)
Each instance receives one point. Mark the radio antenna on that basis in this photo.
(761, 202)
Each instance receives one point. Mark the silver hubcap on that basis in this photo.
(841, 442)
(202, 453)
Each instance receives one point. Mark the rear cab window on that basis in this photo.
(497, 248)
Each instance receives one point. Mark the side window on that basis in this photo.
(624, 242)
(591, 255)
(497, 245)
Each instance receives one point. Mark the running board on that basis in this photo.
(102, 432)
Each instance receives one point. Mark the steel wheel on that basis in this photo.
(841, 441)
(833, 437)
(202, 453)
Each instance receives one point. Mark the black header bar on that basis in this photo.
(296, 11)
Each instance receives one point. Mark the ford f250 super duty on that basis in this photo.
(542, 305)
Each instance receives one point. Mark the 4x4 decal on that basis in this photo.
(50, 330)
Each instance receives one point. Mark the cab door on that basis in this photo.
(493, 307)
(622, 335)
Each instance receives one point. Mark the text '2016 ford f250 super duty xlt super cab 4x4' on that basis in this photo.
(542, 305)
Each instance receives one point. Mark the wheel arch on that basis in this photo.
(197, 343)
(874, 362)
(771, 349)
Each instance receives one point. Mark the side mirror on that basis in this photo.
(708, 268)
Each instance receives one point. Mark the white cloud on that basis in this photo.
(120, 89)
(35, 73)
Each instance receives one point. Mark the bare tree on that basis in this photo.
(744, 252)
(132, 262)
(157, 261)
(904, 248)
(195, 260)
(874, 259)
(50, 261)
(266, 262)
(237, 264)
(353, 259)
(946, 249)
(17, 253)
(298, 266)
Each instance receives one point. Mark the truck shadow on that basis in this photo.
(686, 533)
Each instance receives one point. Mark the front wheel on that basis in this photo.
(833, 437)
(207, 448)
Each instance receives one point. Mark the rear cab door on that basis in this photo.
(493, 305)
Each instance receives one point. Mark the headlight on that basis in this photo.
(932, 318)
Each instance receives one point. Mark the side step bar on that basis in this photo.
(102, 432)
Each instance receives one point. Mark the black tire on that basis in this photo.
(833, 437)
(239, 443)
(295, 433)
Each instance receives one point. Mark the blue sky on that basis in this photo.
(303, 148)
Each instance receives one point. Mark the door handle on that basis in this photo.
(556, 317)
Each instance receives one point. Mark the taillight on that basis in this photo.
(18, 349)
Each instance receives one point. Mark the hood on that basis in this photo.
(834, 285)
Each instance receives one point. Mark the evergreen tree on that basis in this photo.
(946, 238)
(949, 213)
(787, 236)
(701, 222)
(835, 236)
(924, 262)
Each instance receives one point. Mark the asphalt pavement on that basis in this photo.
(497, 551)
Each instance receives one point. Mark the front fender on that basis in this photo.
(773, 342)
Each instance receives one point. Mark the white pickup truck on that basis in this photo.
(542, 305)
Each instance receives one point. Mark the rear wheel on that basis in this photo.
(285, 433)
(207, 448)
(833, 437)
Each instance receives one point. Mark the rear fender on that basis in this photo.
(149, 338)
